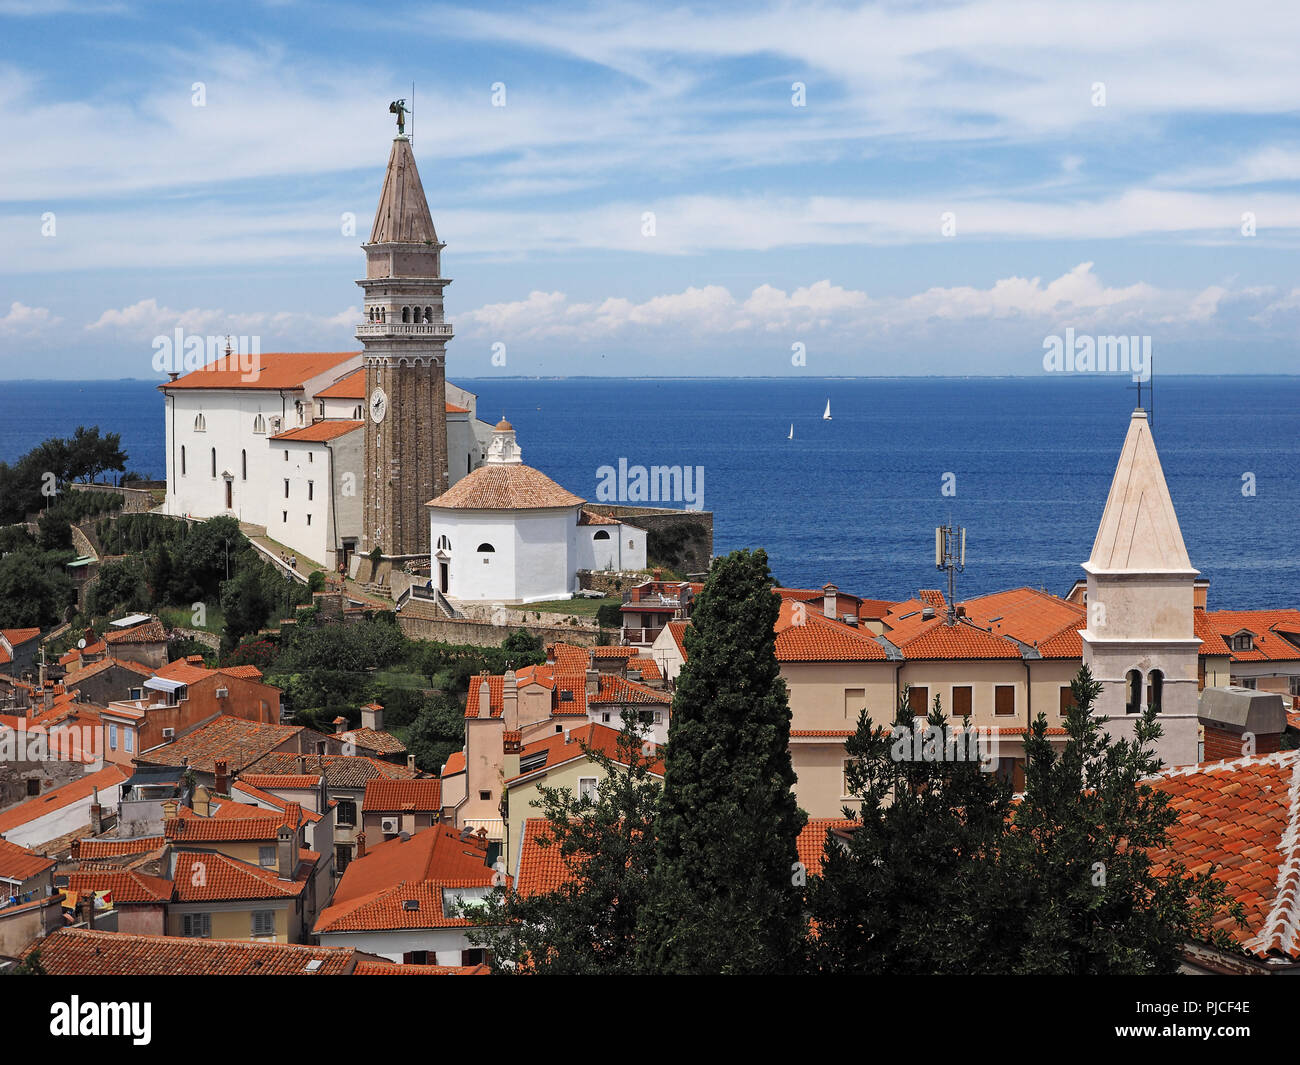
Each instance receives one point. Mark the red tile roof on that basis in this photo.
(541, 868)
(559, 749)
(84, 952)
(317, 432)
(349, 386)
(236, 741)
(19, 863)
(124, 887)
(455, 764)
(424, 796)
(60, 797)
(276, 780)
(374, 891)
(374, 740)
(1276, 633)
(1243, 818)
(805, 634)
(270, 371)
(341, 770)
(195, 829)
(812, 841)
(935, 638)
(505, 486)
(90, 849)
(210, 876)
(150, 631)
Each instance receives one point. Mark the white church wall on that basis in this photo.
(469, 576)
(348, 470)
(228, 426)
(544, 555)
(464, 453)
(300, 518)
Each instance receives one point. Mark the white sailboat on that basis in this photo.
(791, 431)
(827, 416)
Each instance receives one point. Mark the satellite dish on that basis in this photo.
(81, 644)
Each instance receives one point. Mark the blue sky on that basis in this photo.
(1097, 162)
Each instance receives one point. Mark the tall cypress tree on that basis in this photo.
(723, 895)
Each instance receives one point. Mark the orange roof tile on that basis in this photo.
(1243, 818)
(86, 952)
(559, 749)
(277, 780)
(58, 798)
(123, 886)
(90, 849)
(191, 828)
(811, 843)
(270, 371)
(1276, 633)
(238, 742)
(317, 432)
(376, 890)
(19, 863)
(403, 795)
(505, 486)
(210, 876)
(805, 634)
(349, 386)
(341, 770)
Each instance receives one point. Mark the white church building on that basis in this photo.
(507, 533)
(282, 447)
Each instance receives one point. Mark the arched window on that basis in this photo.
(214, 462)
(356, 413)
(406, 314)
(428, 314)
(243, 465)
(1133, 695)
(259, 424)
(182, 460)
(200, 423)
(1155, 688)
(444, 544)
(601, 535)
(486, 549)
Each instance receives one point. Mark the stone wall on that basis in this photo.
(485, 634)
(51, 772)
(135, 500)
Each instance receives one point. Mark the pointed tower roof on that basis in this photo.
(403, 213)
(1139, 530)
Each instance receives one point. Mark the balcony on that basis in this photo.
(651, 600)
(640, 637)
(405, 329)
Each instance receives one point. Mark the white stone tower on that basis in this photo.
(1140, 640)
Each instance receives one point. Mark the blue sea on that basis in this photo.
(854, 500)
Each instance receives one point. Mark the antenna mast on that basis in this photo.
(950, 555)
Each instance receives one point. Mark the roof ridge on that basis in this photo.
(1282, 924)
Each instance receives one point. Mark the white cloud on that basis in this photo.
(146, 319)
(21, 320)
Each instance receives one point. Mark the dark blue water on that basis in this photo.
(855, 500)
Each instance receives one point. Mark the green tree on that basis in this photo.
(724, 895)
(34, 589)
(915, 888)
(437, 731)
(208, 555)
(1078, 856)
(89, 454)
(118, 586)
(244, 606)
(587, 925)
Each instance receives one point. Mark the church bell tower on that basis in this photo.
(405, 340)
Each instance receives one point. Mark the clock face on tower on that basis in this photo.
(378, 405)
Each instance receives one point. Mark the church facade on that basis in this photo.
(337, 453)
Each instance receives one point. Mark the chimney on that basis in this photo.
(169, 807)
(593, 681)
(410, 761)
(88, 635)
(1200, 593)
(510, 702)
(340, 724)
(96, 818)
(76, 850)
(659, 574)
(484, 698)
(286, 840)
(829, 593)
(48, 698)
(372, 717)
(223, 777)
(41, 671)
(302, 765)
(86, 904)
(202, 801)
(361, 845)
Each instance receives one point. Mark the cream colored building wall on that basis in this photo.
(524, 794)
(234, 920)
(819, 693)
(819, 769)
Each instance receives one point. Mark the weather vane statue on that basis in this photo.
(398, 108)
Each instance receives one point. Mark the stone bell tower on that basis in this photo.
(405, 341)
(1140, 640)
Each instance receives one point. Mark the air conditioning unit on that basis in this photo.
(222, 692)
(388, 825)
(169, 733)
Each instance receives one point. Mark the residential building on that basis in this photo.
(391, 807)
